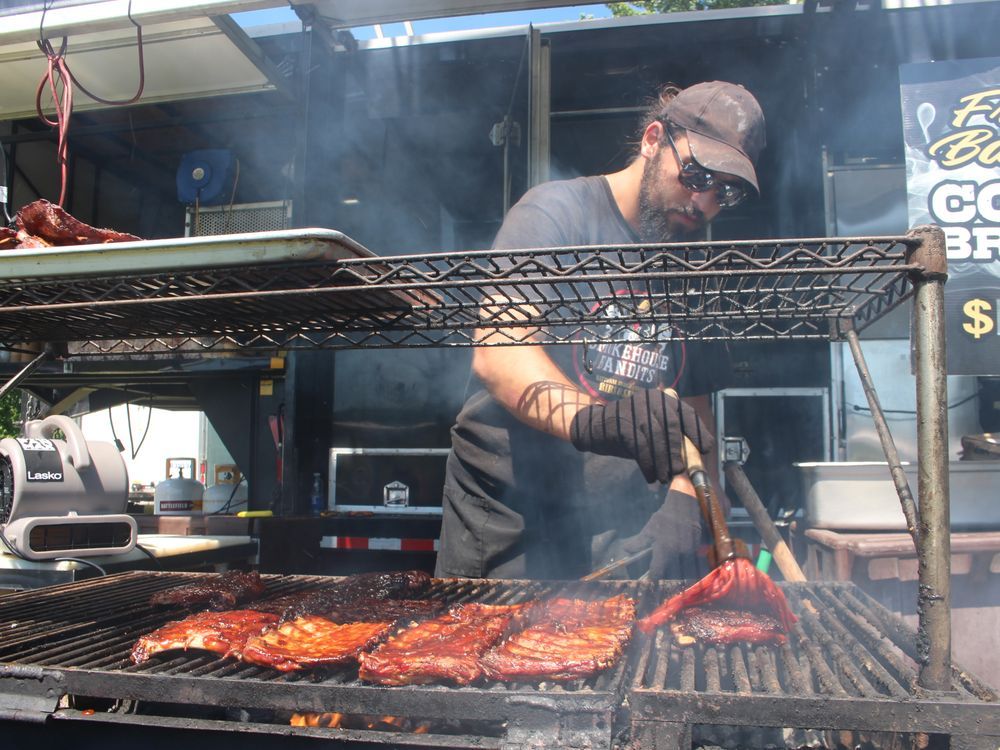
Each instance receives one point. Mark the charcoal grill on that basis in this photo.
(849, 664)
(839, 670)
(76, 640)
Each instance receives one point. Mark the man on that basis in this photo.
(545, 449)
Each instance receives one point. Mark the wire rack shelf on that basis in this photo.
(750, 290)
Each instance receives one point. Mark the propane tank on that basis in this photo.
(178, 495)
(228, 493)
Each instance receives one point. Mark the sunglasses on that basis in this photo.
(700, 180)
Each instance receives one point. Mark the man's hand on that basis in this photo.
(673, 532)
(649, 426)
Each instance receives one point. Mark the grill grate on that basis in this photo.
(849, 664)
(85, 633)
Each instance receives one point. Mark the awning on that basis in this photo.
(192, 47)
(184, 59)
(70, 16)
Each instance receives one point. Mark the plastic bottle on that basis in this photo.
(317, 499)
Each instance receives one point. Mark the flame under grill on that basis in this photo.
(849, 664)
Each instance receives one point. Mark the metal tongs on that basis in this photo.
(614, 565)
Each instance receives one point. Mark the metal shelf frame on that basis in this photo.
(750, 290)
(340, 296)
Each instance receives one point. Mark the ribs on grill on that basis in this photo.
(565, 639)
(735, 584)
(366, 586)
(220, 592)
(363, 610)
(725, 626)
(312, 642)
(220, 632)
(41, 224)
(446, 648)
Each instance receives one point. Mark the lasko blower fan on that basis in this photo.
(63, 498)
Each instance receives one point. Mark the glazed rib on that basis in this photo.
(50, 223)
(364, 587)
(312, 642)
(446, 648)
(566, 639)
(725, 626)
(220, 592)
(220, 632)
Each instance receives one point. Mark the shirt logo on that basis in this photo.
(632, 356)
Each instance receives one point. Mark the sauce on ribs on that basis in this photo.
(565, 639)
(725, 626)
(312, 642)
(220, 632)
(446, 648)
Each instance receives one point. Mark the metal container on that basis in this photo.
(861, 496)
(225, 497)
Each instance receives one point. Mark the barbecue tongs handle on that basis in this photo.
(724, 547)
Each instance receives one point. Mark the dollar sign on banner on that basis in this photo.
(981, 322)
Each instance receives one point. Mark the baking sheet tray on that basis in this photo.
(178, 254)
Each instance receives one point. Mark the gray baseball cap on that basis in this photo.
(724, 124)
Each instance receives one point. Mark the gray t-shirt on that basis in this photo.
(539, 496)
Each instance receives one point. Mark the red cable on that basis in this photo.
(142, 75)
(58, 73)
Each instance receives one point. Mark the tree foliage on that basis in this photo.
(669, 6)
(10, 414)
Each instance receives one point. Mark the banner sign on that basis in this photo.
(951, 130)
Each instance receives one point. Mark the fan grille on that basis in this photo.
(6, 489)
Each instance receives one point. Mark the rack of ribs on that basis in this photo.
(725, 626)
(220, 592)
(397, 584)
(41, 224)
(565, 639)
(446, 648)
(312, 641)
(220, 632)
(364, 610)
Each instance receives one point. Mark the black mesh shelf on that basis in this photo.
(799, 288)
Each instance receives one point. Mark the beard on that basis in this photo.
(654, 219)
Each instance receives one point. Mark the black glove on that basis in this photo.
(647, 426)
(674, 532)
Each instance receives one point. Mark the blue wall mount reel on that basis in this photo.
(203, 176)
